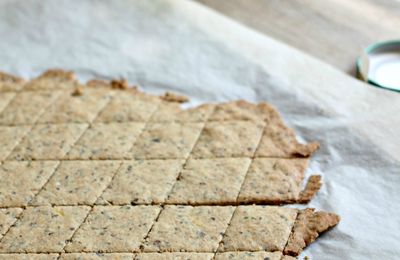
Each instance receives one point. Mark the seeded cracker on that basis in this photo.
(77, 183)
(259, 228)
(48, 142)
(249, 255)
(43, 229)
(106, 141)
(10, 83)
(26, 107)
(228, 139)
(29, 256)
(210, 181)
(174, 256)
(97, 256)
(143, 182)
(5, 99)
(10, 136)
(187, 228)
(53, 79)
(21, 181)
(114, 229)
(7, 217)
(166, 141)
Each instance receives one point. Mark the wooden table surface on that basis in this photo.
(335, 31)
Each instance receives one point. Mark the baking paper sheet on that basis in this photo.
(184, 47)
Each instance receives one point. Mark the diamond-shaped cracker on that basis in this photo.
(143, 182)
(273, 181)
(96, 256)
(21, 181)
(29, 256)
(10, 136)
(106, 141)
(172, 112)
(43, 229)
(53, 80)
(77, 182)
(48, 141)
(175, 256)
(114, 229)
(27, 106)
(5, 99)
(249, 255)
(10, 83)
(187, 228)
(166, 140)
(128, 106)
(74, 108)
(228, 139)
(7, 217)
(210, 181)
(259, 228)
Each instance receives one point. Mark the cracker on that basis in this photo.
(249, 255)
(288, 257)
(7, 217)
(77, 183)
(26, 107)
(21, 181)
(174, 98)
(52, 80)
(96, 256)
(187, 228)
(228, 139)
(259, 228)
(48, 141)
(243, 110)
(175, 256)
(172, 112)
(166, 141)
(309, 224)
(10, 136)
(5, 99)
(143, 181)
(29, 256)
(10, 83)
(210, 181)
(106, 141)
(114, 229)
(128, 106)
(273, 181)
(43, 229)
(82, 108)
(280, 141)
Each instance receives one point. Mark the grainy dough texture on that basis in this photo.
(43, 229)
(104, 171)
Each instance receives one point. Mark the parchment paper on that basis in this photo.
(182, 46)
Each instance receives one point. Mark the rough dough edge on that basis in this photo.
(307, 227)
(312, 187)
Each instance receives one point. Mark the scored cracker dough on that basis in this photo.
(43, 229)
(5, 99)
(166, 141)
(20, 181)
(172, 112)
(249, 255)
(10, 83)
(48, 142)
(273, 181)
(128, 106)
(53, 79)
(106, 141)
(77, 183)
(27, 107)
(29, 256)
(114, 229)
(81, 108)
(210, 181)
(96, 256)
(7, 217)
(258, 228)
(10, 136)
(143, 182)
(174, 256)
(187, 228)
(228, 139)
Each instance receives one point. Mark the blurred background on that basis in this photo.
(335, 31)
